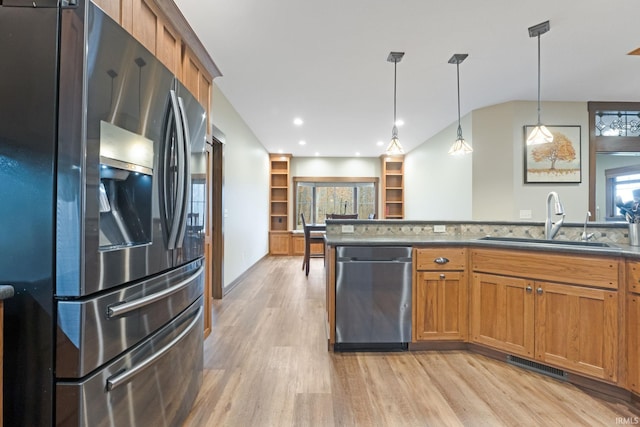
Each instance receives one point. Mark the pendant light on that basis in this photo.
(460, 146)
(394, 147)
(540, 134)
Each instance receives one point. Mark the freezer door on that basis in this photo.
(95, 330)
(155, 384)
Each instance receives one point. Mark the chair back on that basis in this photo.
(307, 233)
(341, 216)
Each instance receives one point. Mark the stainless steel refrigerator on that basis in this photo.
(100, 223)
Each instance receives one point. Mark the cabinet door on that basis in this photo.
(279, 243)
(502, 313)
(441, 306)
(297, 244)
(577, 328)
(145, 23)
(633, 342)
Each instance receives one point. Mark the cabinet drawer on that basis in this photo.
(435, 259)
(633, 276)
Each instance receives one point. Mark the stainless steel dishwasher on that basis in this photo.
(373, 297)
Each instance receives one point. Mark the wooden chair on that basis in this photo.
(309, 238)
(342, 216)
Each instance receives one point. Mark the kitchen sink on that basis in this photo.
(547, 242)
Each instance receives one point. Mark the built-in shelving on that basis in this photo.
(279, 204)
(392, 187)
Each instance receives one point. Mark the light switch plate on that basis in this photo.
(347, 228)
(439, 228)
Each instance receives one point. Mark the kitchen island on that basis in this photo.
(570, 310)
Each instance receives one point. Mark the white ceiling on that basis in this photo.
(326, 62)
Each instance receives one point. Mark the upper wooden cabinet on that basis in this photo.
(196, 79)
(153, 23)
(119, 10)
(151, 29)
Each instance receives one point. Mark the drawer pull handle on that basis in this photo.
(442, 276)
(539, 291)
(441, 260)
(529, 289)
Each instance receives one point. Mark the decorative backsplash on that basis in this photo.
(617, 233)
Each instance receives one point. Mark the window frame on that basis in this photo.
(329, 179)
(610, 177)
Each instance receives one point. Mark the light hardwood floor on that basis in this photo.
(266, 364)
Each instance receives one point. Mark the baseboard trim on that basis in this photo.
(242, 277)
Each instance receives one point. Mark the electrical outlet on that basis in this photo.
(525, 213)
(439, 228)
(347, 228)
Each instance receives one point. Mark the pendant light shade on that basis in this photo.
(394, 147)
(460, 146)
(540, 134)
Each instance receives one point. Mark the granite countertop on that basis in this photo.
(553, 246)
(6, 291)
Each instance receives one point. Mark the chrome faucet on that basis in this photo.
(585, 237)
(550, 228)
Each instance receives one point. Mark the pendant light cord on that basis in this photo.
(395, 72)
(458, 79)
(538, 79)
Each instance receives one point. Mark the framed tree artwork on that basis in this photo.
(558, 161)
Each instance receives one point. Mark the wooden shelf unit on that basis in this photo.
(392, 187)
(279, 204)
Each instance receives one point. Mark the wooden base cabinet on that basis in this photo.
(440, 295)
(441, 312)
(577, 329)
(633, 342)
(567, 326)
(502, 313)
(279, 243)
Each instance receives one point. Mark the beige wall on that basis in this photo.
(245, 192)
(438, 186)
(495, 190)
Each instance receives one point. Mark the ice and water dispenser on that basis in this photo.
(125, 191)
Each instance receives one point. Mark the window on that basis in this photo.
(622, 185)
(198, 202)
(317, 197)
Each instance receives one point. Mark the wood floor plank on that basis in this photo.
(267, 364)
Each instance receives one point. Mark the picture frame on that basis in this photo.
(559, 161)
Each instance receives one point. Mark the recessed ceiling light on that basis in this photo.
(302, 142)
(298, 121)
(317, 154)
(399, 122)
(280, 151)
(379, 143)
(357, 154)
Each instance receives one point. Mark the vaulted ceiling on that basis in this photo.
(326, 62)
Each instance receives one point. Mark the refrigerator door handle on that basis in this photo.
(186, 173)
(120, 309)
(124, 377)
(177, 217)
